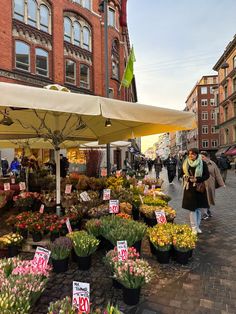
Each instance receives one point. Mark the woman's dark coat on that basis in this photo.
(193, 199)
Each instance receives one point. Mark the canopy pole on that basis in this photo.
(58, 181)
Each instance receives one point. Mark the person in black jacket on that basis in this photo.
(170, 164)
(195, 171)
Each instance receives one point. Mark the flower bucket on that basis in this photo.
(61, 265)
(84, 262)
(131, 296)
(137, 245)
(182, 257)
(116, 284)
(23, 233)
(163, 257)
(37, 236)
(13, 250)
(151, 222)
(152, 248)
(135, 213)
(54, 236)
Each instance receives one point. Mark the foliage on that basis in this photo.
(93, 226)
(84, 244)
(114, 183)
(161, 236)
(61, 248)
(183, 238)
(148, 200)
(63, 306)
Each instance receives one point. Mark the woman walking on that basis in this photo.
(195, 173)
(215, 181)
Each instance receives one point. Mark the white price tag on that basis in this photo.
(13, 180)
(114, 206)
(6, 186)
(68, 188)
(41, 209)
(160, 216)
(122, 249)
(81, 296)
(22, 186)
(85, 197)
(68, 225)
(106, 194)
(41, 257)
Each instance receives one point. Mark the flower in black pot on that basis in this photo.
(13, 242)
(60, 252)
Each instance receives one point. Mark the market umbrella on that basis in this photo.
(30, 112)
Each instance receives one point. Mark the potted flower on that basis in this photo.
(63, 306)
(36, 227)
(60, 252)
(136, 202)
(24, 201)
(170, 213)
(12, 241)
(84, 246)
(54, 228)
(132, 274)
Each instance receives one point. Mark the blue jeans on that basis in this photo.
(195, 218)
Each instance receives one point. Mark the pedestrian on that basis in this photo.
(5, 166)
(158, 166)
(150, 164)
(215, 181)
(64, 165)
(180, 161)
(15, 166)
(170, 164)
(195, 173)
(223, 164)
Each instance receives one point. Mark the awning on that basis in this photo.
(231, 151)
(222, 150)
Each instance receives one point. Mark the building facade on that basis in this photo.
(201, 101)
(226, 68)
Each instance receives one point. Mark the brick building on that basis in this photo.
(62, 41)
(226, 67)
(201, 101)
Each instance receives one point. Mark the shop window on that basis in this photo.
(41, 62)
(70, 72)
(84, 76)
(22, 54)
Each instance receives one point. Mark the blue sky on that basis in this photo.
(176, 42)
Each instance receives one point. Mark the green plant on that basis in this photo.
(84, 244)
(61, 248)
(63, 306)
(149, 200)
(183, 238)
(93, 226)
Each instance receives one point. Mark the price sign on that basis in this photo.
(13, 180)
(103, 172)
(68, 225)
(114, 206)
(6, 186)
(22, 186)
(41, 257)
(85, 197)
(160, 216)
(106, 194)
(68, 188)
(122, 249)
(41, 209)
(81, 296)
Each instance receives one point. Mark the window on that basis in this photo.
(41, 62)
(204, 115)
(32, 13)
(234, 62)
(214, 143)
(226, 91)
(84, 76)
(204, 102)
(86, 36)
(211, 90)
(86, 4)
(19, 10)
(212, 102)
(205, 129)
(234, 84)
(115, 59)
(203, 90)
(111, 93)
(67, 29)
(213, 115)
(44, 18)
(22, 56)
(111, 17)
(213, 130)
(226, 113)
(70, 72)
(76, 33)
(205, 143)
(115, 70)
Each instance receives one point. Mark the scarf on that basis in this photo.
(198, 164)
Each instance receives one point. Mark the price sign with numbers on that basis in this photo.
(6, 186)
(103, 172)
(41, 257)
(106, 194)
(85, 197)
(41, 209)
(160, 216)
(13, 180)
(114, 206)
(68, 225)
(22, 186)
(68, 189)
(122, 249)
(81, 296)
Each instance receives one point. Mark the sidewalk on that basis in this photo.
(210, 285)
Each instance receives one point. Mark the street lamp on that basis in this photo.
(103, 8)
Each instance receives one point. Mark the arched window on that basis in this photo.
(77, 33)
(19, 10)
(84, 76)
(67, 29)
(32, 13)
(86, 37)
(41, 62)
(44, 18)
(22, 54)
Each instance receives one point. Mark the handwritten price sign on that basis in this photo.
(81, 295)
(160, 216)
(68, 189)
(41, 257)
(114, 206)
(22, 186)
(122, 249)
(6, 186)
(106, 194)
(41, 209)
(85, 197)
(13, 180)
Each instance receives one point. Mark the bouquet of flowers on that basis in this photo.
(63, 306)
(84, 244)
(124, 216)
(170, 213)
(148, 200)
(133, 273)
(161, 236)
(93, 226)
(24, 199)
(11, 239)
(183, 238)
(61, 248)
